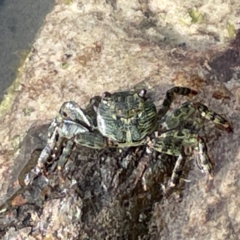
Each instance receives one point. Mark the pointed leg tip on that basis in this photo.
(194, 92)
(229, 129)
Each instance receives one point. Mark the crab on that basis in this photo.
(127, 119)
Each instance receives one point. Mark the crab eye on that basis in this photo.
(142, 93)
(106, 95)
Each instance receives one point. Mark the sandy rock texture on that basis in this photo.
(87, 47)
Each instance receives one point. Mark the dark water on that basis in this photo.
(20, 20)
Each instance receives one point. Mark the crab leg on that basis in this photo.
(65, 130)
(209, 114)
(173, 143)
(177, 170)
(177, 116)
(180, 115)
(71, 121)
(203, 160)
(170, 95)
(88, 139)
